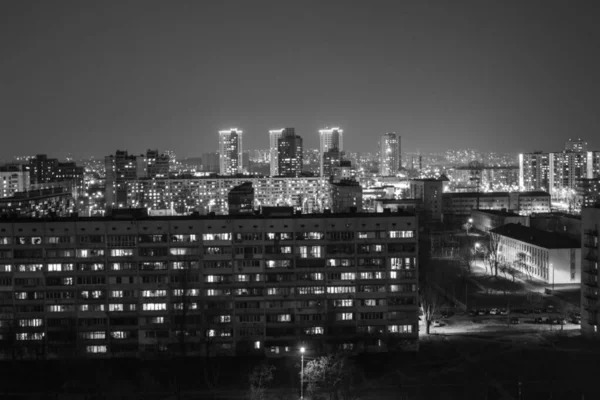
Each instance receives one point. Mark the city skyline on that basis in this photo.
(86, 80)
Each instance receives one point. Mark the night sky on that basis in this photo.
(90, 77)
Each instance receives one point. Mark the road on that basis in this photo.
(464, 324)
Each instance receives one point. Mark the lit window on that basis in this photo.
(224, 319)
(96, 349)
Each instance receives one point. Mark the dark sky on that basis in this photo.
(88, 77)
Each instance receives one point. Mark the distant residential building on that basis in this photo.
(71, 175)
(486, 220)
(274, 136)
(524, 203)
(13, 178)
(588, 191)
(332, 159)
(209, 194)
(558, 173)
(158, 165)
(120, 169)
(395, 205)
(389, 154)
(48, 172)
(39, 203)
(547, 256)
(289, 154)
(210, 162)
(576, 145)
(590, 251)
(429, 192)
(478, 177)
(42, 169)
(346, 196)
(344, 171)
(330, 138)
(230, 152)
(241, 199)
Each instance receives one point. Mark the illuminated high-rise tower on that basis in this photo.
(230, 152)
(289, 156)
(389, 154)
(331, 138)
(274, 136)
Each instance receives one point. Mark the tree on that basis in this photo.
(468, 255)
(334, 376)
(259, 378)
(515, 273)
(431, 302)
(492, 253)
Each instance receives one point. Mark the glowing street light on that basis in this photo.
(302, 373)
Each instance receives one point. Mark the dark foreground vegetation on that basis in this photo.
(475, 367)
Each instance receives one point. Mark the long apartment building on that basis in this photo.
(206, 195)
(590, 249)
(134, 286)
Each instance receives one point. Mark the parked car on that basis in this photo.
(538, 320)
(525, 311)
(537, 311)
(437, 324)
(575, 320)
(515, 321)
(550, 309)
(472, 313)
(447, 314)
(494, 311)
(503, 311)
(481, 311)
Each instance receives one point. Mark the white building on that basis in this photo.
(13, 179)
(547, 256)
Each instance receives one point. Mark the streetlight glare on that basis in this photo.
(301, 349)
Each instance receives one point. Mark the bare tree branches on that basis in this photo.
(259, 378)
(335, 376)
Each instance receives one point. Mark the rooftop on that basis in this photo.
(141, 214)
(503, 212)
(536, 237)
(494, 194)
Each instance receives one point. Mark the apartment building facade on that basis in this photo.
(590, 249)
(257, 284)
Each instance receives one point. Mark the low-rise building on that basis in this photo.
(547, 256)
(486, 220)
(524, 203)
(590, 251)
(130, 285)
(562, 223)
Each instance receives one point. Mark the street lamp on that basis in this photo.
(301, 373)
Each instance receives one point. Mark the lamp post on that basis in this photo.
(301, 373)
(552, 276)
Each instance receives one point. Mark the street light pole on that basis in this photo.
(302, 373)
